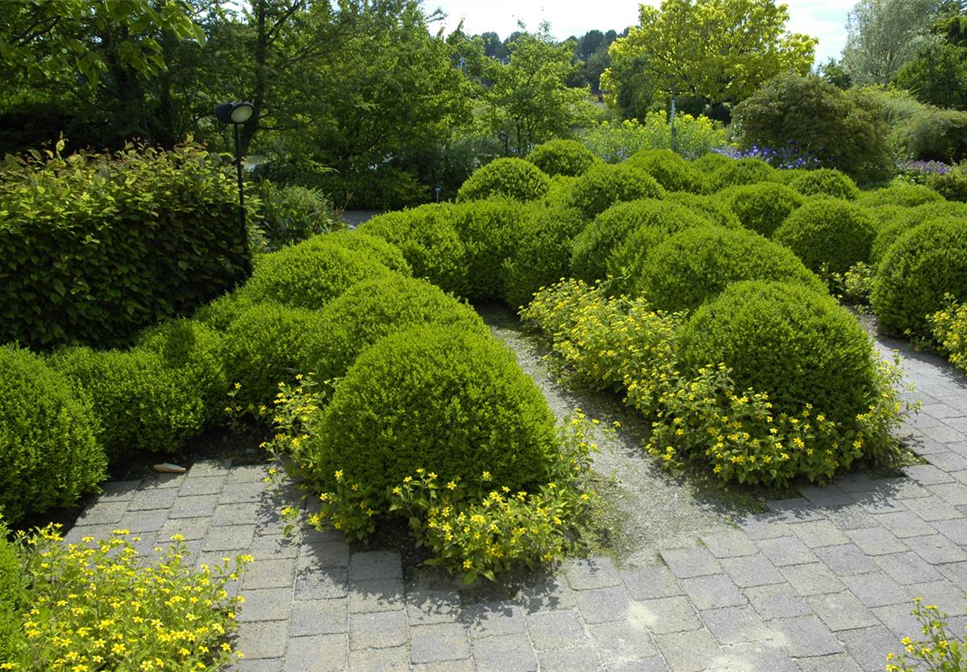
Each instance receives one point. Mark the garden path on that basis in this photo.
(823, 581)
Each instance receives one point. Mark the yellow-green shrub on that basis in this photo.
(48, 438)
(761, 207)
(11, 599)
(906, 195)
(511, 178)
(829, 235)
(670, 170)
(562, 157)
(826, 182)
(379, 249)
(892, 228)
(603, 185)
(488, 231)
(709, 206)
(740, 171)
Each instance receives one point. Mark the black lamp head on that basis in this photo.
(234, 113)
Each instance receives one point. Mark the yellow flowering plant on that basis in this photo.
(941, 651)
(100, 605)
(949, 329)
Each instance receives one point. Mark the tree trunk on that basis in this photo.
(251, 127)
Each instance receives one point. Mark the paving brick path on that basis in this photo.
(822, 582)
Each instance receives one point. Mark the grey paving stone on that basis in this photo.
(235, 514)
(876, 589)
(326, 554)
(877, 502)
(208, 485)
(907, 568)
(317, 653)
(206, 468)
(730, 544)
(494, 619)
(375, 565)
(603, 605)
(239, 493)
(103, 513)
(853, 517)
(812, 579)
(736, 625)
(689, 651)
(428, 605)
(927, 474)
(247, 473)
(955, 530)
(147, 500)
(319, 617)
(192, 529)
(947, 460)
(162, 481)
(323, 585)
(269, 573)
(827, 496)
(376, 595)
(687, 563)
(940, 411)
(757, 656)
(437, 643)
(546, 594)
(955, 572)
(653, 664)
(588, 574)
(777, 601)
(234, 538)
(838, 662)
(622, 642)
(752, 570)
(933, 509)
(650, 582)
(807, 636)
(664, 615)
(876, 541)
(899, 620)
(556, 630)
(262, 639)
(258, 665)
(446, 666)
(763, 526)
(394, 659)
(142, 522)
(818, 533)
(785, 551)
(943, 433)
(580, 659)
(795, 510)
(274, 546)
(936, 549)
(869, 646)
(855, 483)
(842, 611)
(377, 630)
(943, 594)
(902, 488)
(954, 494)
(270, 604)
(713, 592)
(118, 491)
(195, 506)
(904, 524)
(846, 560)
(507, 653)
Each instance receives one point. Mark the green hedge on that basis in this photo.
(712, 207)
(829, 235)
(48, 438)
(826, 182)
(562, 157)
(11, 584)
(603, 185)
(375, 247)
(696, 264)
(488, 231)
(762, 207)
(516, 179)
(739, 172)
(893, 227)
(671, 171)
(97, 246)
(906, 195)
(443, 399)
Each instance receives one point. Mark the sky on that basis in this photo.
(824, 19)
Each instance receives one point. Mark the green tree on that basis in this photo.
(937, 75)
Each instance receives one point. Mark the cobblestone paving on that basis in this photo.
(822, 582)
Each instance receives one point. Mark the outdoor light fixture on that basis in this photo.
(505, 138)
(235, 114)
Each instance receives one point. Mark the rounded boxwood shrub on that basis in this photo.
(444, 399)
(374, 247)
(542, 253)
(671, 171)
(516, 179)
(741, 171)
(711, 207)
(309, 275)
(593, 246)
(698, 263)
(826, 182)
(11, 584)
(794, 343)
(48, 438)
(603, 185)
(710, 162)
(374, 309)
(220, 313)
(891, 228)
(488, 231)
(266, 344)
(828, 234)
(924, 263)
(562, 157)
(762, 207)
(906, 195)
(428, 240)
(787, 175)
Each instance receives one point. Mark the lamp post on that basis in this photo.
(236, 114)
(505, 138)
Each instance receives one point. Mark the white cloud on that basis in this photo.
(824, 19)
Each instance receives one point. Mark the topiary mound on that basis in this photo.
(891, 228)
(795, 344)
(562, 157)
(787, 175)
(711, 162)
(922, 265)
(48, 438)
(906, 195)
(374, 309)
(671, 171)
(428, 240)
(443, 399)
(762, 207)
(516, 179)
(309, 275)
(488, 231)
(603, 185)
(696, 264)
(266, 344)
(826, 182)
(220, 313)
(711, 207)
(542, 252)
(383, 251)
(594, 245)
(739, 172)
(828, 234)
